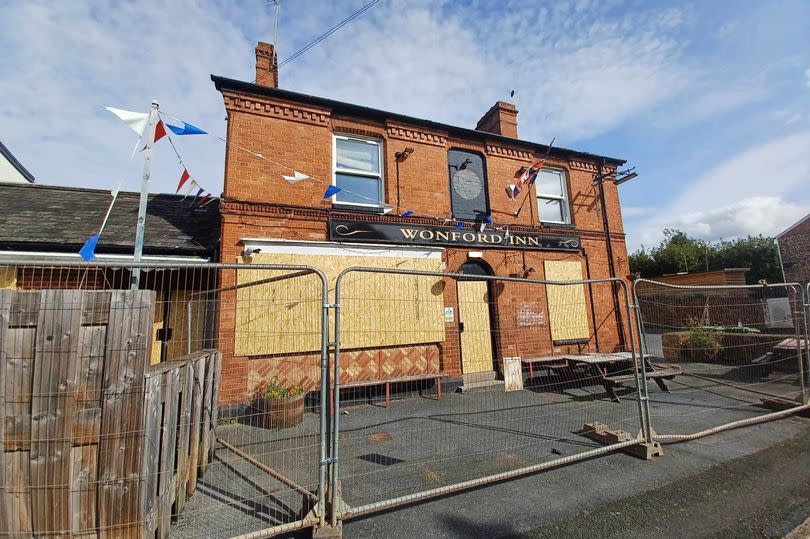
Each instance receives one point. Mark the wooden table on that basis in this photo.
(614, 369)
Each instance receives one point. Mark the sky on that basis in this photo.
(710, 101)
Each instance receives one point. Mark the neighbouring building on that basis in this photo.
(794, 252)
(11, 170)
(571, 229)
(45, 226)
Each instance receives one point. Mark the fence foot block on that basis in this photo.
(783, 404)
(603, 434)
(328, 532)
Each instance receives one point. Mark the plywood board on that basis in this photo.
(376, 309)
(8, 277)
(568, 314)
(476, 339)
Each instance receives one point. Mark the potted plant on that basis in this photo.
(277, 406)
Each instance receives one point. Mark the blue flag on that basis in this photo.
(187, 129)
(488, 220)
(88, 250)
(407, 213)
(459, 226)
(331, 191)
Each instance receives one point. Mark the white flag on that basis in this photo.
(296, 177)
(387, 209)
(135, 120)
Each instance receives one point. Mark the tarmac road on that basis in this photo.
(749, 482)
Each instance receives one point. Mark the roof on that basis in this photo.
(44, 217)
(5, 152)
(224, 83)
(794, 225)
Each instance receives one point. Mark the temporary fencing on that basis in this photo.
(548, 375)
(742, 351)
(253, 399)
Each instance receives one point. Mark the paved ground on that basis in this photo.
(422, 443)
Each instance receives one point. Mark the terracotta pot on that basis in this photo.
(279, 413)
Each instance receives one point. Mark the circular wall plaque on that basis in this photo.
(467, 184)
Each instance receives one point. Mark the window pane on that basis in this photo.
(357, 155)
(550, 210)
(358, 185)
(549, 182)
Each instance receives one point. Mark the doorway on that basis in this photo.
(474, 320)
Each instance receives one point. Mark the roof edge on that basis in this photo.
(241, 86)
(794, 225)
(15, 163)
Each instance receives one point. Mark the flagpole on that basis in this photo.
(147, 168)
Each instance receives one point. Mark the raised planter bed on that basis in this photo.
(735, 348)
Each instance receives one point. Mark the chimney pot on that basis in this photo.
(500, 119)
(266, 65)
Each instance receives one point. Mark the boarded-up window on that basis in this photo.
(468, 185)
(568, 315)
(376, 309)
(8, 277)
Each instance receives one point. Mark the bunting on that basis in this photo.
(183, 178)
(407, 213)
(187, 129)
(296, 177)
(331, 191)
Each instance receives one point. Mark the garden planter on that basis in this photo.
(279, 413)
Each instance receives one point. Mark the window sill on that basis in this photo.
(359, 209)
(550, 224)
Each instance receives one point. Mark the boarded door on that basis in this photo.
(476, 342)
(568, 315)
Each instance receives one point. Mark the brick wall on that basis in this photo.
(794, 247)
(259, 203)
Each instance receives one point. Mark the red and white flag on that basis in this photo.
(528, 176)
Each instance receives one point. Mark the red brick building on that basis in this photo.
(794, 252)
(388, 163)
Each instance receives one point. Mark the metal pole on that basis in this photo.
(324, 402)
(147, 169)
(334, 477)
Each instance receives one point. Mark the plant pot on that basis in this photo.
(279, 413)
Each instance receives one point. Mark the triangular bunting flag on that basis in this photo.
(295, 178)
(387, 209)
(459, 226)
(187, 129)
(408, 213)
(160, 131)
(488, 220)
(183, 178)
(207, 200)
(191, 186)
(512, 191)
(88, 250)
(202, 201)
(483, 226)
(194, 200)
(135, 120)
(331, 191)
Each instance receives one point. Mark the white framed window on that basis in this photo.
(552, 197)
(357, 166)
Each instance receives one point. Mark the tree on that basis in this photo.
(678, 252)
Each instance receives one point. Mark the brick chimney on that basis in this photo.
(500, 119)
(266, 65)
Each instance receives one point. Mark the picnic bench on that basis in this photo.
(609, 369)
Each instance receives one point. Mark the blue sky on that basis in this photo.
(709, 100)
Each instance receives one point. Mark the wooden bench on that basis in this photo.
(548, 362)
(597, 366)
(402, 379)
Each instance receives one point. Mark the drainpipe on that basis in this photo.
(609, 245)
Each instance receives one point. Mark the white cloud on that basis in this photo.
(580, 69)
(761, 190)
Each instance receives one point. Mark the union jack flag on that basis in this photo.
(528, 176)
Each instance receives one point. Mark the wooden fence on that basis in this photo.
(84, 415)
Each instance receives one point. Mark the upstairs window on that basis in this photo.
(468, 185)
(552, 197)
(357, 165)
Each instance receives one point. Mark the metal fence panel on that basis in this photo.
(194, 406)
(742, 351)
(536, 361)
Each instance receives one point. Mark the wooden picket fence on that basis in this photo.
(89, 444)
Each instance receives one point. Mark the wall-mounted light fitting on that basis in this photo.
(403, 155)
